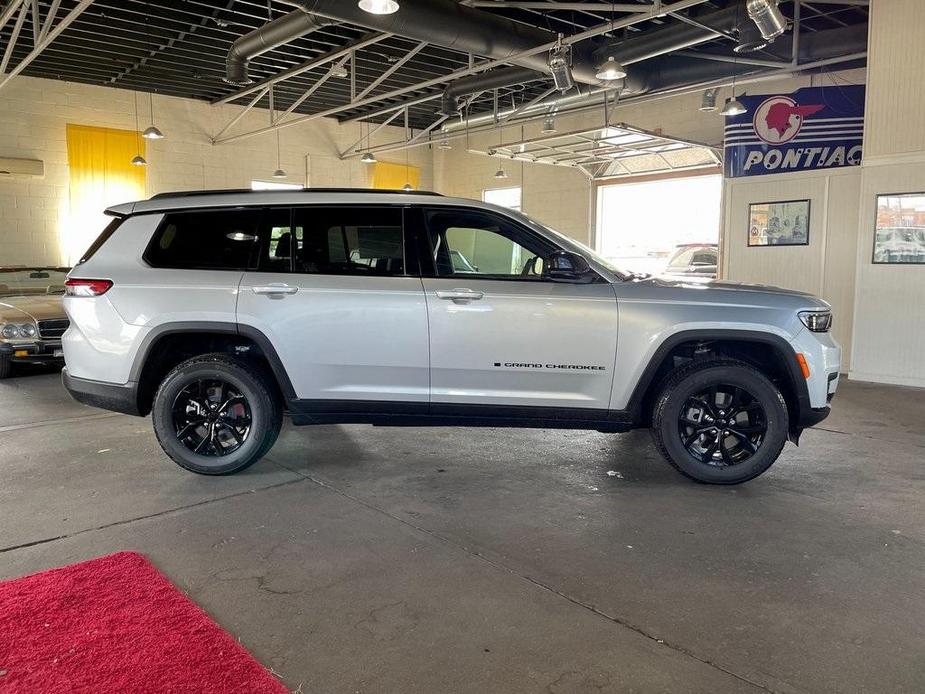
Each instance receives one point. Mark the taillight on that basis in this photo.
(75, 287)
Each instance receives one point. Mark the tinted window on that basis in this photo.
(277, 241)
(348, 241)
(473, 243)
(210, 240)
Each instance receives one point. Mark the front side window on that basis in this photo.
(349, 241)
(469, 243)
(205, 240)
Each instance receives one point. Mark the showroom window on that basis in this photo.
(349, 241)
(642, 226)
(470, 243)
(207, 240)
(505, 197)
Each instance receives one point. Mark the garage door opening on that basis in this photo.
(663, 225)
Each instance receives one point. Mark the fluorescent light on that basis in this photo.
(378, 6)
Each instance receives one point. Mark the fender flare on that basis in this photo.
(784, 349)
(221, 328)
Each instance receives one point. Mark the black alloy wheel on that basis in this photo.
(211, 417)
(722, 425)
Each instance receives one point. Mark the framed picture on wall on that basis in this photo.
(899, 236)
(783, 223)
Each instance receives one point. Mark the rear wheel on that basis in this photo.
(215, 415)
(720, 422)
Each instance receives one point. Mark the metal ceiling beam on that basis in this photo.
(330, 57)
(636, 18)
(392, 70)
(50, 36)
(8, 12)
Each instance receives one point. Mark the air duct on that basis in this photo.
(493, 79)
(767, 17)
(271, 35)
(453, 25)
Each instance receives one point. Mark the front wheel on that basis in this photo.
(215, 415)
(720, 422)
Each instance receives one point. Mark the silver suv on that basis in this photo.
(218, 313)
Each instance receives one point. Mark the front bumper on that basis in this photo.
(106, 396)
(38, 352)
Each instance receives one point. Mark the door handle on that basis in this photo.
(460, 295)
(275, 289)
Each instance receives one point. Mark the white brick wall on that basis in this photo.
(34, 114)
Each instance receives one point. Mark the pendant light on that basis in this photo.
(279, 173)
(500, 173)
(611, 69)
(368, 157)
(378, 6)
(137, 160)
(407, 187)
(734, 107)
(152, 132)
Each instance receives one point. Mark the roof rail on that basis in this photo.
(239, 191)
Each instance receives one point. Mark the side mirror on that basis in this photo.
(565, 266)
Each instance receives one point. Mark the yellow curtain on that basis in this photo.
(388, 176)
(101, 174)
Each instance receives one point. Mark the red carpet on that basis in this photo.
(115, 624)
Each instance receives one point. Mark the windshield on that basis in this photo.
(32, 281)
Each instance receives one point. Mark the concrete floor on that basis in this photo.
(357, 559)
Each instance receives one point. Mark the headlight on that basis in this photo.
(9, 332)
(817, 321)
(28, 330)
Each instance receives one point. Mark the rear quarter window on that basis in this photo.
(206, 240)
(101, 239)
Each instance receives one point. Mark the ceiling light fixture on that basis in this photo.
(733, 107)
(749, 39)
(407, 187)
(378, 6)
(708, 100)
(279, 173)
(560, 67)
(767, 17)
(611, 69)
(368, 158)
(501, 173)
(549, 126)
(340, 71)
(152, 132)
(137, 160)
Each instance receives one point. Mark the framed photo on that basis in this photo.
(899, 236)
(784, 223)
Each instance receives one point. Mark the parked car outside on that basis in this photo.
(698, 259)
(188, 308)
(32, 318)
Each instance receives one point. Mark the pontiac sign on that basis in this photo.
(813, 128)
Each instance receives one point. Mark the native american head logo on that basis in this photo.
(780, 118)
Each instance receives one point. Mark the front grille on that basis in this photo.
(53, 329)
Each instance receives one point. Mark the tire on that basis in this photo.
(736, 439)
(201, 435)
(6, 368)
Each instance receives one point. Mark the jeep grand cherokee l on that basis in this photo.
(218, 313)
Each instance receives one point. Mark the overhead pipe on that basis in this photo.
(452, 25)
(280, 31)
(493, 79)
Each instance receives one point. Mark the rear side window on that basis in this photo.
(207, 240)
(101, 239)
(348, 241)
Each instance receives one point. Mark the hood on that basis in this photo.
(723, 285)
(36, 308)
